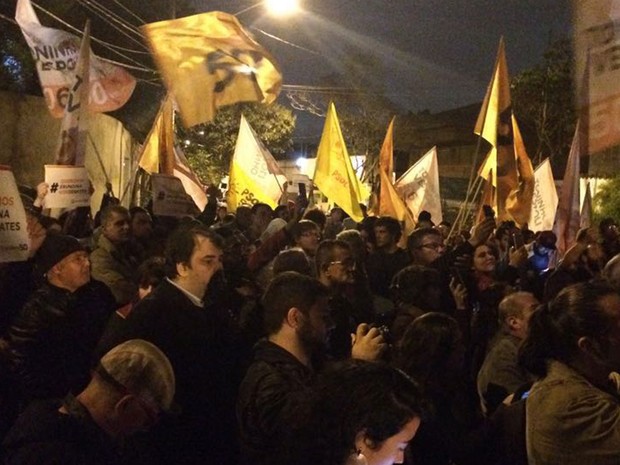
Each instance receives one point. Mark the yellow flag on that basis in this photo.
(519, 201)
(494, 124)
(161, 155)
(254, 174)
(334, 174)
(159, 144)
(386, 165)
(209, 61)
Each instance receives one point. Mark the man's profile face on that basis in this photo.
(314, 331)
(117, 227)
(206, 260)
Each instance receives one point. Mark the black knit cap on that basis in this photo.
(54, 249)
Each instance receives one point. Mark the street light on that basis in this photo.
(275, 7)
(282, 7)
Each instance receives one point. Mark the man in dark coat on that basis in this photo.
(174, 318)
(132, 384)
(50, 343)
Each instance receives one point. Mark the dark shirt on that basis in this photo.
(381, 268)
(44, 436)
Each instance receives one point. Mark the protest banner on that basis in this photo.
(69, 186)
(13, 231)
(597, 74)
(169, 196)
(55, 53)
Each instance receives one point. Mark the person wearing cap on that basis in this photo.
(130, 387)
(175, 318)
(50, 342)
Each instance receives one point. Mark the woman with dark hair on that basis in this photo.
(415, 290)
(360, 412)
(573, 410)
(431, 351)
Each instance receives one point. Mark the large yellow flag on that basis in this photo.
(209, 61)
(495, 125)
(334, 174)
(254, 174)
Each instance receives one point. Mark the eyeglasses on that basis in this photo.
(350, 264)
(433, 245)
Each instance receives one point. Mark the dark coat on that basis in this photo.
(44, 436)
(274, 387)
(204, 359)
(52, 339)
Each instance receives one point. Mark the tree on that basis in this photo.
(543, 103)
(607, 200)
(210, 147)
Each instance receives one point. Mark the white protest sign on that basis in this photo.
(13, 230)
(545, 199)
(69, 186)
(169, 196)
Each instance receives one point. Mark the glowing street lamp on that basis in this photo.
(282, 7)
(275, 7)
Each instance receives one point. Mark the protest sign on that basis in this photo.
(169, 196)
(69, 186)
(13, 231)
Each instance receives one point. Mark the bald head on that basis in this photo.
(515, 311)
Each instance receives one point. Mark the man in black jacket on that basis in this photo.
(50, 343)
(297, 320)
(174, 318)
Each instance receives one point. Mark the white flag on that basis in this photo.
(419, 187)
(255, 176)
(55, 53)
(71, 149)
(190, 181)
(545, 199)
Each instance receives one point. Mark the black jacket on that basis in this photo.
(53, 337)
(273, 388)
(205, 361)
(44, 436)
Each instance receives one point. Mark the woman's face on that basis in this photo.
(484, 259)
(392, 450)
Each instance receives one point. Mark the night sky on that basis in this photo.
(434, 55)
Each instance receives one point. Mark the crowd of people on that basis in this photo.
(293, 335)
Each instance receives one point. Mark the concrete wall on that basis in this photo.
(29, 135)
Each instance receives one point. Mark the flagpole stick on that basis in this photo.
(472, 174)
(475, 196)
(105, 174)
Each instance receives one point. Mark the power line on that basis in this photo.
(109, 46)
